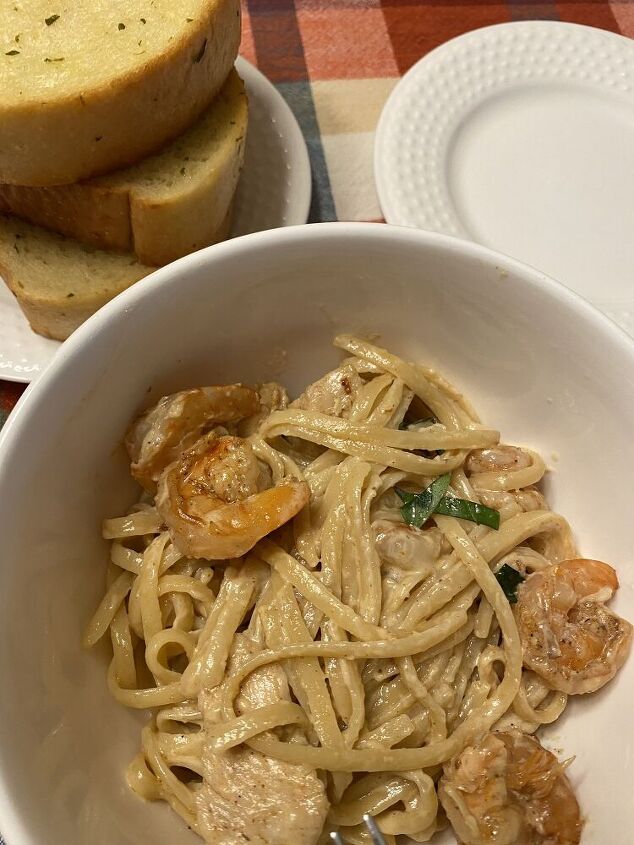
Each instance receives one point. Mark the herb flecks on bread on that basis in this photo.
(99, 84)
(170, 204)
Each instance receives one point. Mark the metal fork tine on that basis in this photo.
(375, 833)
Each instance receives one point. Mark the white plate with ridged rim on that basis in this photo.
(274, 191)
(520, 137)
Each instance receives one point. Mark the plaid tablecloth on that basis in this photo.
(336, 61)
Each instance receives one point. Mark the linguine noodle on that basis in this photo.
(393, 668)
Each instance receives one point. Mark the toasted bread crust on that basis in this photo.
(120, 212)
(96, 216)
(57, 282)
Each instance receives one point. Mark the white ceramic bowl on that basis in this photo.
(537, 361)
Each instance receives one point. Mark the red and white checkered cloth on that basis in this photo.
(336, 61)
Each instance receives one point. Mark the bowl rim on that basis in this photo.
(37, 394)
(168, 275)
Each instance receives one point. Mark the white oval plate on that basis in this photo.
(274, 191)
(521, 137)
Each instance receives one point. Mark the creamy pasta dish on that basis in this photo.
(356, 602)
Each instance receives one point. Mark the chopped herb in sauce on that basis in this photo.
(59, 59)
(51, 20)
(472, 511)
(418, 507)
(120, 26)
(509, 579)
(13, 53)
(142, 20)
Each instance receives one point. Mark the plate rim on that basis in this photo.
(302, 181)
(297, 156)
(390, 213)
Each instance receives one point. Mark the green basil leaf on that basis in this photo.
(509, 579)
(403, 495)
(464, 509)
(415, 512)
(418, 507)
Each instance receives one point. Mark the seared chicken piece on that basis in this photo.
(247, 797)
(333, 394)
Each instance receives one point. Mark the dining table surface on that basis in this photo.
(336, 62)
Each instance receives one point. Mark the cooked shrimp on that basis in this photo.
(272, 397)
(568, 636)
(497, 458)
(508, 790)
(514, 501)
(162, 433)
(406, 546)
(333, 394)
(217, 500)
